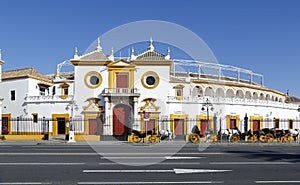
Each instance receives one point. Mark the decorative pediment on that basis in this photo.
(92, 105)
(150, 105)
(121, 63)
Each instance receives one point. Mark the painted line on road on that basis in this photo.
(254, 163)
(178, 182)
(175, 170)
(276, 182)
(23, 183)
(149, 163)
(41, 164)
(44, 153)
(151, 157)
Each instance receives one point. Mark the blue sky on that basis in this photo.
(260, 35)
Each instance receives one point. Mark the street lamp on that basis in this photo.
(71, 106)
(206, 106)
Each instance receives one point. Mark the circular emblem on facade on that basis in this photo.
(93, 79)
(150, 80)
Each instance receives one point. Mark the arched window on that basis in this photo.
(248, 95)
(255, 96)
(261, 96)
(239, 94)
(220, 93)
(197, 91)
(229, 93)
(209, 92)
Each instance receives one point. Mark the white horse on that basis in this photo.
(230, 132)
(295, 134)
(166, 134)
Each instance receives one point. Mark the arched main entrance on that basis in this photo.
(122, 122)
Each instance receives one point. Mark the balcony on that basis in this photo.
(48, 99)
(121, 92)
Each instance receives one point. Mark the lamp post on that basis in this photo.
(206, 106)
(71, 106)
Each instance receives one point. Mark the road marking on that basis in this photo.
(254, 163)
(24, 153)
(182, 182)
(151, 157)
(29, 183)
(175, 170)
(64, 149)
(183, 157)
(276, 182)
(151, 163)
(45, 164)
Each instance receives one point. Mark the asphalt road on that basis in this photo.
(164, 163)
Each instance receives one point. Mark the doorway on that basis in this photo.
(122, 122)
(61, 126)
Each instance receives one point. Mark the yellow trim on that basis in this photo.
(54, 122)
(260, 118)
(88, 116)
(153, 116)
(63, 86)
(89, 63)
(229, 117)
(204, 117)
(35, 136)
(178, 116)
(113, 73)
(149, 101)
(274, 123)
(148, 73)
(87, 79)
(9, 122)
(113, 69)
(179, 88)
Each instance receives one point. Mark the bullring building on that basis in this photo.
(106, 97)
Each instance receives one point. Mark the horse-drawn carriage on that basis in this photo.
(149, 135)
(270, 134)
(196, 136)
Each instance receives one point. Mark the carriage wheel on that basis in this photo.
(214, 138)
(194, 138)
(234, 138)
(253, 138)
(280, 139)
(153, 139)
(262, 138)
(287, 138)
(136, 139)
(269, 138)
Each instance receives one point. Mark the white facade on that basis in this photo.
(111, 98)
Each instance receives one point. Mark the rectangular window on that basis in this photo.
(12, 95)
(122, 80)
(66, 91)
(34, 117)
(179, 92)
(291, 124)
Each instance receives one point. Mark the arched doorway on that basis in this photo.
(122, 122)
